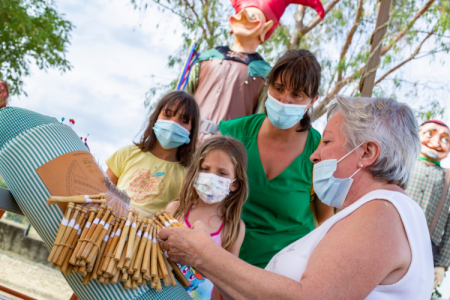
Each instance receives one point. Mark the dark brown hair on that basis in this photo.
(298, 71)
(176, 101)
(231, 206)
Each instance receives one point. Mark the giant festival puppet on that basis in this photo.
(228, 82)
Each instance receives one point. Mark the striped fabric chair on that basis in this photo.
(28, 140)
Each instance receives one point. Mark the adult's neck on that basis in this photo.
(275, 133)
(165, 154)
(245, 45)
(366, 183)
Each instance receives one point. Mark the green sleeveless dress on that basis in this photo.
(277, 212)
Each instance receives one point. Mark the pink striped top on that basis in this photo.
(215, 236)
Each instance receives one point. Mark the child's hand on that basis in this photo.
(187, 246)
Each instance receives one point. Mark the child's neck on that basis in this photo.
(165, 154)
(211, 209)
(209, 214)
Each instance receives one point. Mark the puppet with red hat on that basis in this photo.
(228, 82)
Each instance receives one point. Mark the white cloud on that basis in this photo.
(113, 58)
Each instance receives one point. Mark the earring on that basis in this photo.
(361, 165)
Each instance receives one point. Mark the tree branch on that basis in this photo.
(205, 15)
(317, 19)
(204, 31)
(408, 26)
(349, 38)
(171, 10)
(295, 38)
(406, 60)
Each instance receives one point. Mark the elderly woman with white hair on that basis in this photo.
(377, 247)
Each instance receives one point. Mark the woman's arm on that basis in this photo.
(112, 176)
(172, 206)
(367, 248)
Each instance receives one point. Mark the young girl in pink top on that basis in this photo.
(214, 191)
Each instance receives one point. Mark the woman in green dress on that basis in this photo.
(279, 143)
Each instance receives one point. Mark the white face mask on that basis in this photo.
(212, 188)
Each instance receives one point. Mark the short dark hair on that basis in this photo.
(175, 101)
(300, 69)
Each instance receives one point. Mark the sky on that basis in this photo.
(117, 54)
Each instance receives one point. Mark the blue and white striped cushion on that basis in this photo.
(39, 140)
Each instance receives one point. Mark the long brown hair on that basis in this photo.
(231, 206)
(300, 69)
(175, 101)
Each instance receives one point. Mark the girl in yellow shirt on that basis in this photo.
(151, 171)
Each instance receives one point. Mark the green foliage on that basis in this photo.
(2, 183)
(207, 20)
(31, 31)
(16, 218)
(432, 110)
(436, 295)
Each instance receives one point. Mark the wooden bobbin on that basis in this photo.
(171, 277)
(99, 228)
(91, 231)
(95, 250)
(127, 284)
(139, 262)
(110, 250)
(61, 230)
(158, 285)
(67, 232)
(124, 277)
(66, 267)
(86, 279)
(126, 228)
(72, 239)
(102, 250)
(178, 274)
(131, 238)
(115, 279)
(110, 247)
(74, 199)
(92, 212)
(154, 254)
(120, 265)
(128, 264)
(161, 259)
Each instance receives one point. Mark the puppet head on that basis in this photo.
(259, 18)
(435, 140)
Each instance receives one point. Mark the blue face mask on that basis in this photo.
(170, 134)
(284, 116)
(331, 191)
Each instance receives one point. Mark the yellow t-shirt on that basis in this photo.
(150, 182)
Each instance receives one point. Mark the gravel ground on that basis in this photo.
(32, 279)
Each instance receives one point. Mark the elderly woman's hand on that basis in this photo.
(187, 245)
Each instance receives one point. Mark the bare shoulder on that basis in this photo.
(242, 228)
(172, 206)
(237, 245)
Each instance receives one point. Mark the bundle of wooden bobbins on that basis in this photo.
(100, 246)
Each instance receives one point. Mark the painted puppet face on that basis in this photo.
(250, 23)
(435, 140)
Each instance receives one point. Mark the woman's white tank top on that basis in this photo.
(417, 283)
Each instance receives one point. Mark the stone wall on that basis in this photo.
(13, 239)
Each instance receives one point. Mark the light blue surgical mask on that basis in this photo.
(330, 190)
(170, 134)
(284, 116)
